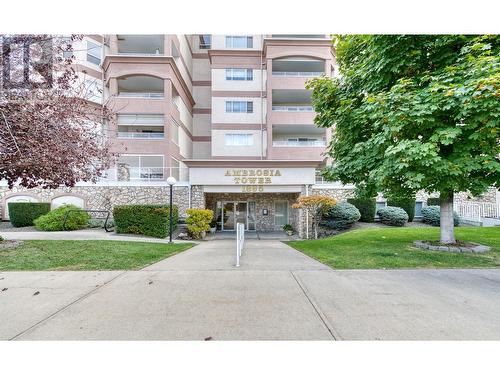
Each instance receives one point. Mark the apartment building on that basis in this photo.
(229, 116)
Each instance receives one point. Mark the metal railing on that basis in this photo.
(240, 241)
(146, 174)
(141, 53)
(293, 108)
(137, 135)
(299, 143)
(475, 211)
(297, 74)
(147, 95)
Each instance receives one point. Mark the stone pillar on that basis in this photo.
(197, 197)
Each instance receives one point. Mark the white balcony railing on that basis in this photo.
(135, 135)
(146, 174)
(476, 211)
(297, 74)
(147, 95)
(293, 108)
(318, 143)
(154, 53)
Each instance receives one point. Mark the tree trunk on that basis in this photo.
(446, 218)
(315, 227)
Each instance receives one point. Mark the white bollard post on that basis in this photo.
(237, 245)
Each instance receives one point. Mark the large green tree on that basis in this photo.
(414, 112)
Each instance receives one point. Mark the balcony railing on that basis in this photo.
(146, 174)
(147, 95)
(135, 135)
(293, 108)
(318, 143)
(297, 74)
(154, 53)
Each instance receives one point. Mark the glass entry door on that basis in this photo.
(238, 212)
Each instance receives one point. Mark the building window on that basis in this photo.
(140, 167)
(239, 139)
(280, 213)
(93, 52)
(239, 107)
(205, 41)
(67, 47)
(234, 74)
(379, 206)
(239, 41)
(418, 209)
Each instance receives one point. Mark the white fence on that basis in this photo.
(240, 241)
(474, 211)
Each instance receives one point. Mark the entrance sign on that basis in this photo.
(252, 180)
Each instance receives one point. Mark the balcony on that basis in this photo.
(145, 174)
(298, 67)
(134, 45)
(300, 143)
(140, 126)
(299, 36)
(140, 134)
(293, 108)
(139, 86)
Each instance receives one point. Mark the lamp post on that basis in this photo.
(171, 181)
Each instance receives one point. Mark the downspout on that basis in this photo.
(262, 102)
(307, 214)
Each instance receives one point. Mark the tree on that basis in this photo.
(49, 131)
(314, 205)
(414, 112)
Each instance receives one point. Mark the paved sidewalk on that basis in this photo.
(277, 294)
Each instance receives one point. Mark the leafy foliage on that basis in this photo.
(414, 112)
(314, 205)
(198, 221)
(407, 204)
(433, 201)
(22, 214)
(432, 215)
(54, 220)
(394, 216)
(340, 216)
(147, 219)
(366, 207)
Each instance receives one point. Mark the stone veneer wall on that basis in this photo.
(262, 201)
(105, 197)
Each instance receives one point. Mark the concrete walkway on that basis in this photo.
(276, 294)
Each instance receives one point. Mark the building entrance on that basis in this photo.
(237, 212)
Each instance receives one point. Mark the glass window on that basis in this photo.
(280, 213)
(418, 209)
(67, 47)
(93, 52)
(239, 41)
(174, 128)
(379, 206)
(205, 41)
(238, 139)
(239, 107)
(235, 74)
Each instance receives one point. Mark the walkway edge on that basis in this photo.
(316, 308)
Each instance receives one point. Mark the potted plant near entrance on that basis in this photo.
(213, 226)
(288, 229)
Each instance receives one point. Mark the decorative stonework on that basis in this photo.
(469, 247)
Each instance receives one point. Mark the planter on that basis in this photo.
(203, 234)
(289, 232)
(213, 230)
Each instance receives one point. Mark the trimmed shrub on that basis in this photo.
(432, 215)
(22, 214)
(147, 219)
(54, 220)
(99, 223)
(198, 221)
(394, 216)
(1, 238)
(407, 204)
(433, 202)
(340, 216)
(367, 208)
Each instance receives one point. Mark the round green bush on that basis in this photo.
(407, 204)
(394, 216)
(340, 216)
(432, 215)
(54, 220)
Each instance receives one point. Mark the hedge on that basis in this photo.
(432, 215)
(394, 216)
(366, 207)
(22, 214)
(433, 202)
(147, 219)
(407, 204)
(340, 216)
(54, 220)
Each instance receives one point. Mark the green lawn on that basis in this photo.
(86, 255)
(392, 248)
